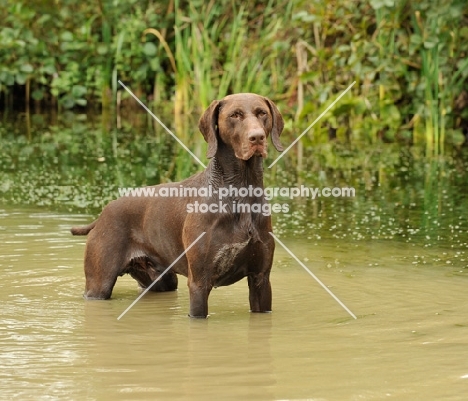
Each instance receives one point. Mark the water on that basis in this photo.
(396, 256)
(410, 340)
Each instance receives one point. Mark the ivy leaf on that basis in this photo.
(37, 94)
(78, 91)
(49, 69)
(67, 102)
(21, 78)
(149, 49)
(27, 68)
(66, 36)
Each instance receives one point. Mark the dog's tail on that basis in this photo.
(83, 230)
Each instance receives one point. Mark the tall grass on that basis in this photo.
(426, 46)
(221, 50)
(430, 54)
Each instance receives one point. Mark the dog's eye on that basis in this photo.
(261, 113)
(236, 114)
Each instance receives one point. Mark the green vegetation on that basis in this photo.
(409, 60)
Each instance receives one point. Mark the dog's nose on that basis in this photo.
(256, 136)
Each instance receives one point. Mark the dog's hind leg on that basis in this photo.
(102, 266)
(100, 281)
(145, 273)
(101, 290)
(168, 282)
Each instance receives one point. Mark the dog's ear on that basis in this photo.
(208, 126)
(277, 125)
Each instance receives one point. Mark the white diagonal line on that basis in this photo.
(162, 125)
(311, 125)
(314, 276)
(161, 275)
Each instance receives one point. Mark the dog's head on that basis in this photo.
(243, 122)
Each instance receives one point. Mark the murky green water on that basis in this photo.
(396, 255)
(410, 340)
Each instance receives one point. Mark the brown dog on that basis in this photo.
(142, 236)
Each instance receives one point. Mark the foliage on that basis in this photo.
(74, 53)
(409, 60)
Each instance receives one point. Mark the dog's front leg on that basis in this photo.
(260, 292)
(199, 293)
(259, 276)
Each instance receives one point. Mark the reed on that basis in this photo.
(429, 76)
(107, 64)
(220, 49)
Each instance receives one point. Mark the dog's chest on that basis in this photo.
(229, 253)
(229, 262)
